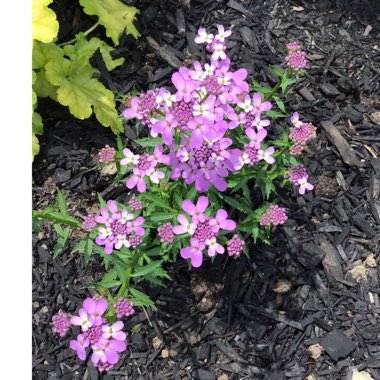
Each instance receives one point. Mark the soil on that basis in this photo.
(305, 307)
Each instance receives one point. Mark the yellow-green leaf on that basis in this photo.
(43, 87)
(37, 126)
(113, 15)
(84, 49)
(42, 53)
(35, 146)
(44, 21)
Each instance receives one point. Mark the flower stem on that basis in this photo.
(126, 283)
(276, 87)
(88, 31)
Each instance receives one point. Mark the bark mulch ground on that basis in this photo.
(306, 307)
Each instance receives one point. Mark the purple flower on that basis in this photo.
(185, 227)
(274, 215)
(114, 331)
(304, 185)
(184, 87)
(256, 138)
(295, 173)
(83, 320)
(118, 227)
(112, 349)
(295, 119)
(221, 222)
(266, 155)
(194, 252)
(203, 37)
(203, 230)
(222, 34)
(95, 309)
(61, 323)
(79, 345)
(196, 211)
(260, 106)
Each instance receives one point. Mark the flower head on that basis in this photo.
(274, 215)
(106, 154)
(124, 307)
(61, 323)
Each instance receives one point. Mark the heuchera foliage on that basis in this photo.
(63, 72)
(203, 182)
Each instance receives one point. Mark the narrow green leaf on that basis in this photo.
(149, 141)
(255, 232)
(61, 202)
(147, 269)
(160, 216)
(141, 299)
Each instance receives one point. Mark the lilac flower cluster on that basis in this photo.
(107, 341)
(296, 58)
(89, 223)
(124, 307)
(298, 176)
(300, 134)
(61, 323)
(106, 154)
(275, 215)
(235, 246)
(165, 232)
(135, 204)
(202, 229)
(194, 123)
(120, 228)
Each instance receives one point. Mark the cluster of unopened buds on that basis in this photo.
(296, 58)
(106, 340)
(300, 134)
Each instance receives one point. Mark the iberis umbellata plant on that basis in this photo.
(63, 71)
(202, 184)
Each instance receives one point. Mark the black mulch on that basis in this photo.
(306, 307)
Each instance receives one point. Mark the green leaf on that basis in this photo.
(113, 15)
(76, 87)
(160, 216)
(255, 232)
(157, 201)
(107, 284)
(238, 204)
(102, 201)
(280, 103)
(44, 21)
(146, 269)
(274, 114)
(88, 250)
(149, 141)
(63, 236)
(61, 202)
(141, 299)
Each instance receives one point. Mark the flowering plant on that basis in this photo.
(204, 181)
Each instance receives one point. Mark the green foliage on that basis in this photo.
(114, 16)
(65, 74)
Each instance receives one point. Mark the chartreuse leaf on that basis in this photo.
(82, 93)
(113, 15)
(44, 21)
(84, 49)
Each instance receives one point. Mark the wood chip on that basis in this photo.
(315, 351)
(348, 154)
(331, 261)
